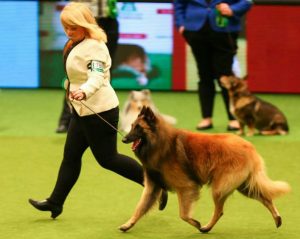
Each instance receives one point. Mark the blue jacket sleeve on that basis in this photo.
(241, 7)
(180, 10)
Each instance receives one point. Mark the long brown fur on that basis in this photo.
(184, 161)
(251, 111)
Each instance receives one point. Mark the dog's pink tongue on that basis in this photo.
(135, 144)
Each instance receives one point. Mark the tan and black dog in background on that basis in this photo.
(184, 161)
(251, 111)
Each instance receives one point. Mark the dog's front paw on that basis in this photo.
(125, 227)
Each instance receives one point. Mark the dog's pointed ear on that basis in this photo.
(245, 81)
(143, 111)
(232, 79)
(149, 115)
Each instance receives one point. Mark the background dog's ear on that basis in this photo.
(245, 81)
(147, 93)
(131, 95)
(245, 78)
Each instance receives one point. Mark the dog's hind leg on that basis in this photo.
(186, 198)
(268, 203)
(149, 197)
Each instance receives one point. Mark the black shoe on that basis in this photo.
(163, 200)
(232, 128)
(45, 205)
(61, 129)
(210, 126)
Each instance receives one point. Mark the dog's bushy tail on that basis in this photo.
(260, 185)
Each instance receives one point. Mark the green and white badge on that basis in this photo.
(95, 66)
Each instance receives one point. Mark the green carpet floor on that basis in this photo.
(31, 151)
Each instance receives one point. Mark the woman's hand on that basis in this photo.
(224, 9)
(77, 95)
(181, 29)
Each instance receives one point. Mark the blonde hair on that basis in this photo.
(79, 14)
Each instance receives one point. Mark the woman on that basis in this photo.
(87, 63)
(211, 29)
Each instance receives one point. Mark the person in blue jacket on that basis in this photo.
(211, 29)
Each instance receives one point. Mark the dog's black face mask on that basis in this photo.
(145, 121)
(135, 135)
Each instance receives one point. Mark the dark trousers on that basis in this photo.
(91, 131)
(66, 114)
(213, 53)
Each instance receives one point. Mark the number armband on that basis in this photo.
(95, 66)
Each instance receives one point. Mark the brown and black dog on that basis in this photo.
(251, 111)
(183, 161)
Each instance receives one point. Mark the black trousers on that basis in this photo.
(90, 131)
(65, 116)
(213, 53)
